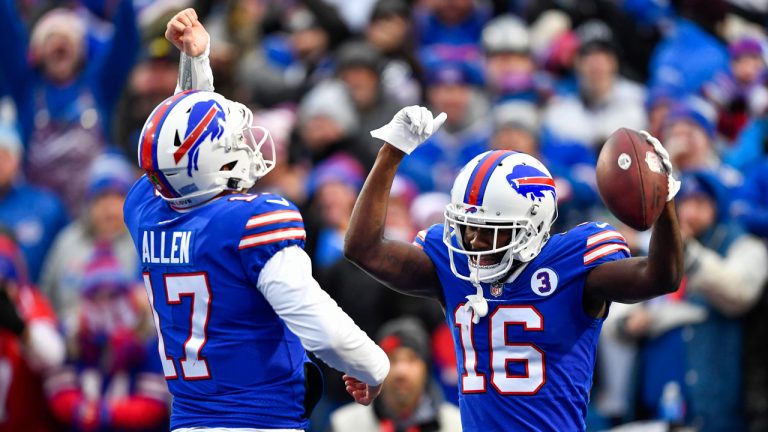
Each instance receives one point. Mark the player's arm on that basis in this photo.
(635, 279)
(399, 265)
(187, 34)
(324, 329)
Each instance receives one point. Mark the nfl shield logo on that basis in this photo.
(496, 289)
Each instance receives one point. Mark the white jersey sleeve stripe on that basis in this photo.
(272, 237)
(279, 216)
(604, 236)
(603, 251)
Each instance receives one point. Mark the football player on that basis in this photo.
(234, 301)
(526, 307)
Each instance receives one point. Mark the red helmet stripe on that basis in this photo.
(481, 175)
(196, 132)
(537, 180)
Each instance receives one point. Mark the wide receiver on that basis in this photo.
(231, 289)
(526, 308)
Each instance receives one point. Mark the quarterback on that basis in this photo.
(234, 302)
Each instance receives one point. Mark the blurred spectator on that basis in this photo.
(456, 24)
(689, 331)
(334, 185)
(751, 205)
(65, 99)
(359, 66)
(391, 31)
(428, 209)
(554, 44)
(288, 178)
(510, 70)
(454, 88)
(658, 104)
(150, 82)
(689, 136)
(635, 36)
(35, 216)
(741, 92)
(693, 37)
(100, 224)
(344, 282)
(236, 33)
(750, 147)
(355, 14)
(410, 400)
(327, 124)
(113, 378)
(751, 209)
(605, 101)
(295, 62)
(29, 345)
(399, 225)
(517, 128)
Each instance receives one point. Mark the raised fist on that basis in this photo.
(187, 34)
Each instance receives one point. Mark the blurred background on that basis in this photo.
(552, 78)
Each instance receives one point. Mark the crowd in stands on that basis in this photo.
(551, 78)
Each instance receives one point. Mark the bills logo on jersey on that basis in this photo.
(206, 120)
(530, 182)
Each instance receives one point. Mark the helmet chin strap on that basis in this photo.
(476, 302)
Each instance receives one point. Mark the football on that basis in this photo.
(631, 179)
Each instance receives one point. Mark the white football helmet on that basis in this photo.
(500, 190)
(197, 144)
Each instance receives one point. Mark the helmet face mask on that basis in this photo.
(196, 145)
(508, 195)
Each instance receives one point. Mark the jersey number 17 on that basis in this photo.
(194, 285)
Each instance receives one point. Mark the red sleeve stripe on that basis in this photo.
(272, 237)
(603, 251)
(279, 216)
(604, 236)
(418, 245)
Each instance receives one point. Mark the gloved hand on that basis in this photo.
(672, 183)
(410, 127)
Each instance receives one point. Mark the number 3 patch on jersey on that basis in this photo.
(544, 282)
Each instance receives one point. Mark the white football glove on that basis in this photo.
(410, 127)
(673, 185)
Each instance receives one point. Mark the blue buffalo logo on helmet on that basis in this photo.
(530, 182)
(470, 210)
(206, 120)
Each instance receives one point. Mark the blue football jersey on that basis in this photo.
(528, 364)
(227, 357)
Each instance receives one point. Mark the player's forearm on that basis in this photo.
(195, 73)
(664, 267)
(323, 328)
(366, 226)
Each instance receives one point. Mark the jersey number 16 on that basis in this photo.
(502, 352)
